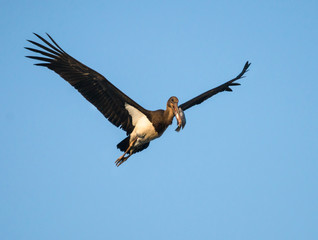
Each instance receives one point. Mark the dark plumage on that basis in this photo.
(141, 125)
(224, 87)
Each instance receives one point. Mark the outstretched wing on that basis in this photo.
(108, 99)
(224, 87)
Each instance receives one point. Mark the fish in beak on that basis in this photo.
(179, 114)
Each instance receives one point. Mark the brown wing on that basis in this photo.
(108, 99)
(224, 87)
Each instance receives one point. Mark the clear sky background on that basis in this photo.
(244, 167)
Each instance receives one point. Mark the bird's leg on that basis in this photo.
(122, 158)
(130, 146)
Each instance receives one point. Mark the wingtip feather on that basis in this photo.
(247, 65)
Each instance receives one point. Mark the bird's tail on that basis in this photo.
(124, 144)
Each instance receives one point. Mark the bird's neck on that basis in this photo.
(168, 115)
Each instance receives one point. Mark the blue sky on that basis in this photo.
(244, 167)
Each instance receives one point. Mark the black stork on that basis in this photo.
(141, 125)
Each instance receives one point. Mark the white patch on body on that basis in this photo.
(144, 129)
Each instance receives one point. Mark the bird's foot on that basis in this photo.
(121, 160)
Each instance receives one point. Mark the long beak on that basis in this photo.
(179, 116)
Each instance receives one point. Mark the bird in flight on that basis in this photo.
(141, 125)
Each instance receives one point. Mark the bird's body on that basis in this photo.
(147, 127)
(144, 129)
(141, 125)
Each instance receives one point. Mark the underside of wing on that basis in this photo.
(224, 87)
(108, 99)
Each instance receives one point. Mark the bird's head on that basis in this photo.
(178, 113)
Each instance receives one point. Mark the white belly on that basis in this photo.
(144, 130)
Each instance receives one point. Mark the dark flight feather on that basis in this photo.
(108, 99)
(224, 87)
